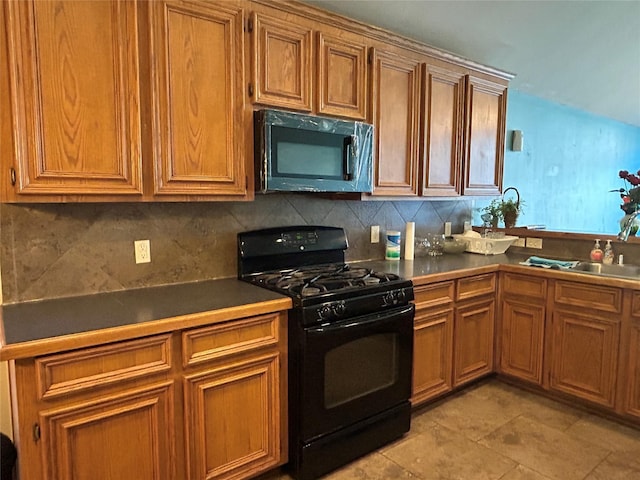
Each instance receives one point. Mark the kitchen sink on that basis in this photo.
(626, 271)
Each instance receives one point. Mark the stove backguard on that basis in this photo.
(289, 247)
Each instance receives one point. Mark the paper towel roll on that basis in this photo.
(409, 240)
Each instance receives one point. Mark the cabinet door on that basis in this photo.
(432, 354)
(75, 97)
(632, 403)
(584, 355)
(197, 96)
(486, 112)
(522, 340)
(232, 419)
(630, 381)
(342, 77)
(126, 435)
(444, 132)
(395, 97)
(282, 53)
(473, 340)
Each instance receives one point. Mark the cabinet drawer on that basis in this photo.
(230, 338)
(95, 367)
(476, 286)
(435, 294)
(604, 299)
(524, 285)
(635, 305)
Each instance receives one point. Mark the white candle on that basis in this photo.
(409, 240)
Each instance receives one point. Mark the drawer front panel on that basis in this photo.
(524, 285)
(435, 294)
(476, 286)
(231, 338)
(89, 368)
(604, 299)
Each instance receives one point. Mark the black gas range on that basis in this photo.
(330, 292)
(350, 344)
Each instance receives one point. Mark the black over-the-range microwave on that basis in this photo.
(305, 153)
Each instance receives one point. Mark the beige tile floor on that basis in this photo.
(496, 431)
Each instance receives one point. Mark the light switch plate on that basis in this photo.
(375, 233)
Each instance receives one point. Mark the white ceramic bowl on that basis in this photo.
(488, 246)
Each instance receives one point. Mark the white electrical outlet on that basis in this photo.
(143, 251)
(375, 233)
(519, 243)
(534, 243)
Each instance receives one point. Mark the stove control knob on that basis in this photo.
(325, 312)
(339, 309)
(390, 298)
(402, 296)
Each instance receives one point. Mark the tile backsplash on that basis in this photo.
(57, 250)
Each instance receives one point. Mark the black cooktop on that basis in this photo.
(312, 280)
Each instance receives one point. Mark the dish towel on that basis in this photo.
(548, 263)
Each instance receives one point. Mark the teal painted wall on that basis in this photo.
(569, 162)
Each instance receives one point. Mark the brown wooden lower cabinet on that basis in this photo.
(631, 383)
(585, 341)
(473, 340)
(128, 434)
(231, 413)
(522, 340)
(204, 403)
(584, 356)
(522, 322)
(433, 354)
(453, 334)
(577, 339)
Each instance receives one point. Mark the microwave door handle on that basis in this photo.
(349, 152)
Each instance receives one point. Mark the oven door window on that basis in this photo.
(354, 369)
(373, 365)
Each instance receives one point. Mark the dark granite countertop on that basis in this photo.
(50, 319)
(25, 322)
(442, 265)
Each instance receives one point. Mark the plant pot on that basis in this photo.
(510, 219)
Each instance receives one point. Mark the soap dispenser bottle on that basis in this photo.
(608, 254)
(596, 253)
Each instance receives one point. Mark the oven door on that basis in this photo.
(354, 369)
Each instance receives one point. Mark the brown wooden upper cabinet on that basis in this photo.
(443, 131)
(395, 112)
(197, 98)
(75, 98)
(485, 123)
(286, 76)
(440, 130)
(124, 101)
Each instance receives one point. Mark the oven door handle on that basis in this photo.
(357, 322)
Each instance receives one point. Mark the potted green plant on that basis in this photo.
(503, 209)
(494, 209)
(510, 209)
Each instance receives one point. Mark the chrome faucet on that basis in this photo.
(626, 229)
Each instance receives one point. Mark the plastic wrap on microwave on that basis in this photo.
(306, 153)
